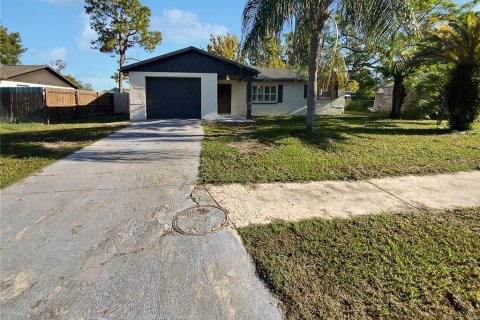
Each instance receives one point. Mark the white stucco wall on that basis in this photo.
(293, 100)
(295, 103)
(138, 102)
(239, 96)
(292, 103)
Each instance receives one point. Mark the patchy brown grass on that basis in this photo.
(252, 147)
(58, 145)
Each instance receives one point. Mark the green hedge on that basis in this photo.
(463, 96)
(358, 104)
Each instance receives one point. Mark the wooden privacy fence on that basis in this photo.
(54, 104)
(121, 102)
(69, 104)
(21, 103)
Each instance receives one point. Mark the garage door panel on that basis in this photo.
(169, 98)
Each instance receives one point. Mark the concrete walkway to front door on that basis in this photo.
(90, 237)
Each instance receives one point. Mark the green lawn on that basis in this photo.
(352, 146)
(389, 266)
(28, 147)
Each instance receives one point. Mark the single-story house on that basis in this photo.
(33, 76)
(192, 83)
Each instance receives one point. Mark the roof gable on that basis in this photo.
(191, 60)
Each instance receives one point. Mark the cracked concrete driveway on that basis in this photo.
(90, 237)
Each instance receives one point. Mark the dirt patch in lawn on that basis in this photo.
(59, 145)
(252, 147)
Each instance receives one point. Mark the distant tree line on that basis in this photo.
(427, 47)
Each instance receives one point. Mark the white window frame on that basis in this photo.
(257, 88)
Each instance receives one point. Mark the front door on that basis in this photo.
(224, 98)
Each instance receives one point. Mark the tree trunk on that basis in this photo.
(398, 96)
(312, 78)
(120, 74)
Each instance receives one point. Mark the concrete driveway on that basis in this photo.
(90, 237)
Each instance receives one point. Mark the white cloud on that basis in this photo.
(52, 54)
(64, 2)
(86, 35)
(184, 27)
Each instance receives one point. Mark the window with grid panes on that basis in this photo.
(264, 94)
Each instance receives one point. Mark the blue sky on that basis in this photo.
(58, 29)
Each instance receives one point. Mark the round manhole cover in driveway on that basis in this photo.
(199, 220)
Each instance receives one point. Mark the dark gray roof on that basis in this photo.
(8, 72)
(185, 50)
(266, 74)
(271, 74)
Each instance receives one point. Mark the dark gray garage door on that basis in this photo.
(169, 98)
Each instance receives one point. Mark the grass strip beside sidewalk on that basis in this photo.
(389, 266)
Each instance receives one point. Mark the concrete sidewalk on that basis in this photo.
(90, 237)
(262, 203)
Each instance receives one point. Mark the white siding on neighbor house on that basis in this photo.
(383, 99)
(331, 105)
(13, 84)
(138, 102)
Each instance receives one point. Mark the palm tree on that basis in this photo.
(399, 66)
(264, 18)
(458, 43)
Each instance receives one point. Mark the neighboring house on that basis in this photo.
(33, 76)
(115, 90)
(383, 99)
(192, 83)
